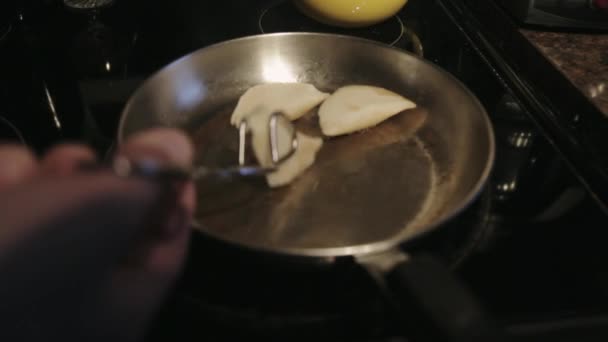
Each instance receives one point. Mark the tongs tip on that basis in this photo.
(274, 142)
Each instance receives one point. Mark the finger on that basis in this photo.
(152, 267)
(168, 146)
(66, 159)
(17, 164)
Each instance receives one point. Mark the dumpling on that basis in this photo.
(356, 107)
(300, 161)
(293, 99)
(303, 157)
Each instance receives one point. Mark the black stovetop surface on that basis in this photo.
(537, 256)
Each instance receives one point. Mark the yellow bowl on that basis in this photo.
(350, 13)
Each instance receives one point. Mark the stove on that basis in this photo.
(530, 247)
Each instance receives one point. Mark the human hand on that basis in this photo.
(89, 255)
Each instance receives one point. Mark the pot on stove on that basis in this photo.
(350, 13)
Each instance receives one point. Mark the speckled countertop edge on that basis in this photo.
(581, 58)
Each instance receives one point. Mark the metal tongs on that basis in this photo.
(125, 167)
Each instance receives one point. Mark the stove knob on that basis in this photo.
(601, 5)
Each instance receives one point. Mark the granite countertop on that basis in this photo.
(582, 58)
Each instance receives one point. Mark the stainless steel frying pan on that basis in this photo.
(369, 193)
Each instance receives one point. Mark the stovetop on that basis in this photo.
(531, 247)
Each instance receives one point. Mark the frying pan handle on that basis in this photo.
(433, 304)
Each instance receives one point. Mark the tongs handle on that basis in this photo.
(152, 170)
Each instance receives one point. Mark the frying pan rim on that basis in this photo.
(356, 250)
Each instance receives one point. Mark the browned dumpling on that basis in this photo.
(293, 99)
(356, 107)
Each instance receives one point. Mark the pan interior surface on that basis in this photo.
(367, 190)
(363, 188)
